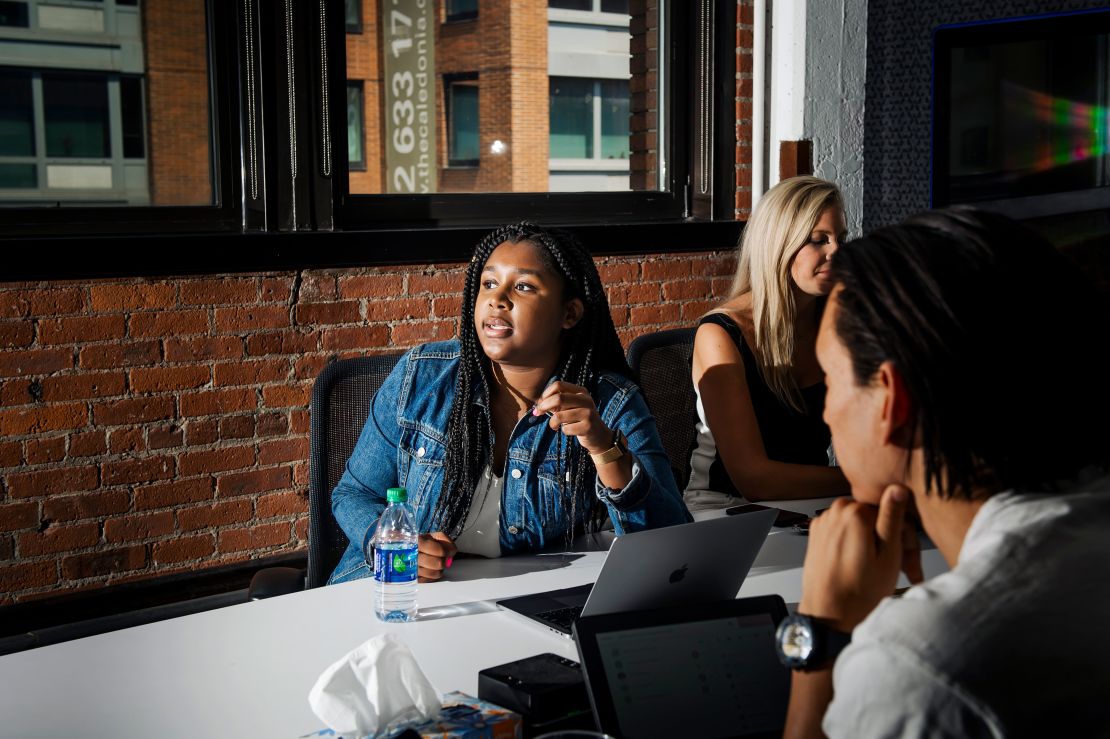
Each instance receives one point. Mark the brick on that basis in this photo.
(643, 292)
(58, 539)
(18, 392)
(96, 504)
(217, 460)
(126, 440)
(256, 537)
(131, 471)
(398, 310)
(300, 529)
(281, 504)
(45, 451)
(219, 292)
(183, 549)
(200, 432)
(178, 492)
(236, 427)
(694, 310)
(165, 437)
(27, 575)
(618, 272)
(255, 481)
(276, 290)
(131, 296)
(169, 323)
(134, 528)
(619, 314)
(7, 550)
(272, 424)
(54, 417)
(371, 286)
(285, 450)
(214, 402)
(419, 332)
(202, 349)
(291, 341)
(81, 329)
(251, 319)
(218, 514)
(251, 372)
(309, 314)
(16, 334)
(317, 287)
(164, 379)
(15, 516)
(133, 410)
(281, 396)
(83, 386)
(34, 362)
(88, 444)
(438, 284)
(307, 368)
(123, 354)
(11, 453)
(647, 315)
(696, 289)
(102, 564)
(299, 422)
(354, 337)
(666, 269)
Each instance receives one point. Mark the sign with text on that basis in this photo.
(408, 48)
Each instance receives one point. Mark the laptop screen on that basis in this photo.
(706, 677)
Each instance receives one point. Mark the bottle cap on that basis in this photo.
(396, 495)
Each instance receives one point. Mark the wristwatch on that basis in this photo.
(613, 453)
(806, 643)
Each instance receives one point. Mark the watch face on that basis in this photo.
(796, 641)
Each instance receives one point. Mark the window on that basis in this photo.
(462, 10)
(355, 134)
(13, 14)
(353, 15)
(589, 134)
(462, 121)
(603, 6)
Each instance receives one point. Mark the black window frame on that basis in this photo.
(449, 83)
(353, 27)
(262, 220)
(459, 16)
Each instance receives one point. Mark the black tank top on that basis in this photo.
(788, 435)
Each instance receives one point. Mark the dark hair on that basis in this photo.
(588, 348)
(997, 336)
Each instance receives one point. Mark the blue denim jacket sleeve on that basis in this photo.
(359, 499)
(651, 499)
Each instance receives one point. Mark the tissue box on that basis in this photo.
(462, 717)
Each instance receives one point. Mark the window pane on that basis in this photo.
(530, 122)
(354, 125)
(354, 15)
(131, 116)
(140, 110)
(463, 146)
(572, 118)
(462, 8)
(76, 108)
(13, 14)
(17, 132)
(614, 119)
(17, 176)
(614, 6)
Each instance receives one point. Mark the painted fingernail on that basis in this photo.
(450, 560)
(535, 411)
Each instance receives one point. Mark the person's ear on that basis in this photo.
(896, 417)
(573, 310)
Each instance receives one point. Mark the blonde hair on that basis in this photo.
(778, 228)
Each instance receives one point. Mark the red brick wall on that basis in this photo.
(154, 426)
(744, 67)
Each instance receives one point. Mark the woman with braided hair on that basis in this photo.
(520, 432)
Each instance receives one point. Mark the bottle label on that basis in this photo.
(395, 565)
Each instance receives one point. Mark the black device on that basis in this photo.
(547, 690)
(709, 671)
(784, 518)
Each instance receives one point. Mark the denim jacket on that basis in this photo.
(403, 443)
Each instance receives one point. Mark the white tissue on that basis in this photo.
(375, 685)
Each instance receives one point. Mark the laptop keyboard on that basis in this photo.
(561, 618)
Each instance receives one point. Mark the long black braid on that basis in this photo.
(588, 348)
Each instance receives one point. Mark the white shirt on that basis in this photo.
(1013, 641)
(482, 533)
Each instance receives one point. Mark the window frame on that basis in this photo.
(353, 27)
(450, 81)
(359, 87)
(458, 17)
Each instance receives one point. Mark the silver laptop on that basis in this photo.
(695, 562)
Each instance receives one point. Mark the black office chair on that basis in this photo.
(662, 360)
(341, 398)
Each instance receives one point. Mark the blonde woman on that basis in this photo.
(761, 393)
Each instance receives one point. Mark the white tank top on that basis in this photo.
(482, 533)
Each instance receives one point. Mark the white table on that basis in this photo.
(245, 671)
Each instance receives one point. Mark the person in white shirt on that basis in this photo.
(962, 355)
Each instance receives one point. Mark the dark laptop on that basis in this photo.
(691, 563)
(707, 671)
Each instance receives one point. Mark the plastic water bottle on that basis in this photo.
(394, 557)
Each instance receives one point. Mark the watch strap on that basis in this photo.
(613, 453)
(828, 643)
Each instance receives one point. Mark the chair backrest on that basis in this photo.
(662, 360)
(341, 398)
